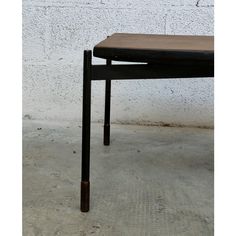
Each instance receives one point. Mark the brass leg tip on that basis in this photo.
(84, 200)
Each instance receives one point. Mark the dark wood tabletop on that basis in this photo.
(156, 48)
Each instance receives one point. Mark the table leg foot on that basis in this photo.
(85, 196)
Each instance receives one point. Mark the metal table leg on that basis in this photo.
(106, 133)
(86, 119)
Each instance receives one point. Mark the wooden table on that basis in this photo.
(162, 57)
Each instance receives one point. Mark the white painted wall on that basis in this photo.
(55, 33)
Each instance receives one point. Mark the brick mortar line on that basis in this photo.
(118, 8)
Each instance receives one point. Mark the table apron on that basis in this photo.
(146, 71)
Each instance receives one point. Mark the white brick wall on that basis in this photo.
(55, 33)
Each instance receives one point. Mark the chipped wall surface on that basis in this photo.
(55, 33)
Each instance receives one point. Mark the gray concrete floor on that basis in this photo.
(150, 181)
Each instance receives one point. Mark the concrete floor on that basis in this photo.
(150, 181)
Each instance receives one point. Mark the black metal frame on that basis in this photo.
(110, 72)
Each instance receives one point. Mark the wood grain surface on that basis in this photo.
(149, 47)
